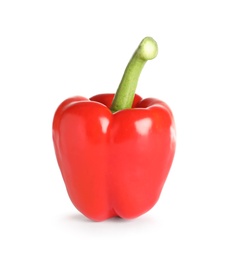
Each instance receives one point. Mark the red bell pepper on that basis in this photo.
(115, 151)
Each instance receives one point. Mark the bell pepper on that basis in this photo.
(115, 151)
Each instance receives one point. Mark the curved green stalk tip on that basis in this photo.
(147, 50)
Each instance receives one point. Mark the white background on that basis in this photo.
(51, 50)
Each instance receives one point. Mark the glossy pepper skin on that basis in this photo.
(115, 150)
(113, 164)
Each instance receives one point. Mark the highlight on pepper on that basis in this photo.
(115, 151)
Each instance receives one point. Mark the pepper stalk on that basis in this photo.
(123, 99)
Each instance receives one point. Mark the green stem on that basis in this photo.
(147, 50)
